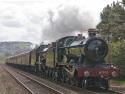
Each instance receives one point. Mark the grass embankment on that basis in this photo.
(118, 83)
(2, 59)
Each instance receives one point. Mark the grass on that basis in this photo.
(2, 58)
(119, 81)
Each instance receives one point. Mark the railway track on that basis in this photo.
(105, 92)
(32, 85)
(97, 91)
(117, 92)
(54, 91)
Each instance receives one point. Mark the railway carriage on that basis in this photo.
(22, 60)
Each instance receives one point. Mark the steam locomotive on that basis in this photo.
(75, 60)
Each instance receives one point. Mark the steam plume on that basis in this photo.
(68, 21)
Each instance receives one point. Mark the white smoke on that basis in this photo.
(67, 21)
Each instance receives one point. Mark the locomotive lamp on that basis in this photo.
(86, 74)
(112, 66)
(102, 76)
(114, 74)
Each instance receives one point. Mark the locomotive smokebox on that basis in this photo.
(96, 49)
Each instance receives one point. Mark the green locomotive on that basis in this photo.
(75, 60)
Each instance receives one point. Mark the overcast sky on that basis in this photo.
(27, 20)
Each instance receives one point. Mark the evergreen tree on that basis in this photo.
(123, 1)
(112, 21)
(112, 27)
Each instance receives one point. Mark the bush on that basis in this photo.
(116, 55)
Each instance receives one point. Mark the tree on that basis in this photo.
(112, 27)
(123, 2)
(116, 55)
(112, 21)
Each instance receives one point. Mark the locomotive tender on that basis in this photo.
(75, 60)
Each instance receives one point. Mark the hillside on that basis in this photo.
(11, 48)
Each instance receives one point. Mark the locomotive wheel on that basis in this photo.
(46, 74)
(55, 75)
(68, 80)
(36, 68)
(80, 82)
(63, 80)
(64, 76)
(85, 83)
(105, 84)
(71, 82)
(76, 80)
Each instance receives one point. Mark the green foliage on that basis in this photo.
(116, 55)
(112, 27)
(112, 20)
(123, 2)
(117, 52)
(2, 58)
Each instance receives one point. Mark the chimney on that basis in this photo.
(54, 44)
(79, 37)
(92, 32)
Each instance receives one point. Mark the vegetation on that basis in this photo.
(14, 47)
(116, 55)
(112, 28)
(112, 21)
(2, 58)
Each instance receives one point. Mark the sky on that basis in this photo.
(31, 20)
